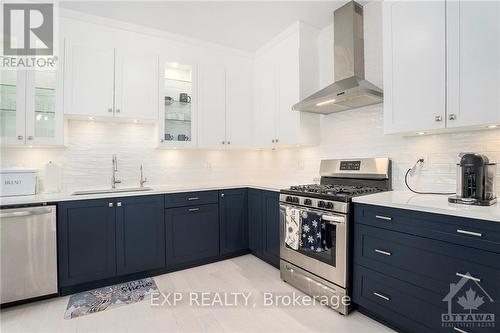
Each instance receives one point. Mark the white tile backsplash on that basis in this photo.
(86, 162)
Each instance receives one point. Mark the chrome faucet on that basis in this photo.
(143, 179)
(114, 178)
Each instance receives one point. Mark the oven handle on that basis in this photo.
(327, 216)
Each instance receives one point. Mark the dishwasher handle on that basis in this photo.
(26, 212)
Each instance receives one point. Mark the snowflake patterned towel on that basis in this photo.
(292, 226)
(311, 232)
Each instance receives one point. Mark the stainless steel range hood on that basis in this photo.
(350, 89)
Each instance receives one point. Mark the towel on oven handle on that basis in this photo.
(313, 236)
(292, 227)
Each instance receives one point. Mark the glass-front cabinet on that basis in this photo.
(12, 106)
(30, 106)
(177, 105)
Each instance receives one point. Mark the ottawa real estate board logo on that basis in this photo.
(467, 305)
(28, 36)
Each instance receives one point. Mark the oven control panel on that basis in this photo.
(334, 206)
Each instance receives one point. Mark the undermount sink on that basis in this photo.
(113, 190)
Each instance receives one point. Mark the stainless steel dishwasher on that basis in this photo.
(28, 253)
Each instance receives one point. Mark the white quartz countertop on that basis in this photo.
(430, 203)
(163, 189)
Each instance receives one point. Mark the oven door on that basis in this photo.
(330, 264)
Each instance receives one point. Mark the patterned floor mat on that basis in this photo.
(108, 297)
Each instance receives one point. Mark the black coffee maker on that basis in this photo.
(475, 181)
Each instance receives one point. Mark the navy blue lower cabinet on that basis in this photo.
(140, 234)
(86, 241)
(192, 234)
(233, 220)
(271, 242)
(255, 221)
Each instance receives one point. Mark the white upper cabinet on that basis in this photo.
(414, 66)
(441, 65)
(239, 112)
(225, 110)
(12, 107)
(473, 31)
(89, 79)
(212, 106)
(136, 85)
(285, 74)
(102, 81)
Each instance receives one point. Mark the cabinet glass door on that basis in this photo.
(178, 104)
(43, 123)
(12, 106)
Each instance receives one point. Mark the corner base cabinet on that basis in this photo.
(416, 271)
(233, 220)
(263, 220)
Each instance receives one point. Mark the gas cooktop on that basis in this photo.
(332, 191)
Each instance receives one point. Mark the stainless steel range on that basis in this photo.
(315, 227)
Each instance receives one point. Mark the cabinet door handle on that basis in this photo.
(222, 195)
(452, 116)
(273, 140)
(117, 110)
(468, 277)
(470, 233)
(30, 137)
(20, 137)
(193, 209)
(386, 218)
(118, 204)
(385, 253)
(110, 205)
(459, 330)
(379, 295)
(193, 198)
(229, 142)
(223, 142)
(110, 110)
(277, 140)
(438, 118)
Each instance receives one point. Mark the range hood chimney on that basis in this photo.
(350, 89)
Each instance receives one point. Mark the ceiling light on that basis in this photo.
(326, 102)
(420, 133)
(492, 126)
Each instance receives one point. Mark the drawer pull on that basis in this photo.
(385, 298)
(385, 253)
(193, 209)
(386, 218)
(470, 233)
(193, 198)
(468, 276)
(459, 330)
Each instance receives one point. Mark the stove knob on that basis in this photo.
(329, 205)
(308, 202)
(295, 200)
(288, 199)
(321, 204)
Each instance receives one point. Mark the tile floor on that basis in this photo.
(242, 274)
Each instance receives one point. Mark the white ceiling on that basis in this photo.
(244, 25)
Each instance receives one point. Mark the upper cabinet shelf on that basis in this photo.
(441, 66)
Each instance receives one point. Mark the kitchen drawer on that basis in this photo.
(479, 234)
(427, 263)
(191, 198)
(401, 304)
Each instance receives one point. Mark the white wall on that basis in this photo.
(357, 133)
